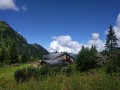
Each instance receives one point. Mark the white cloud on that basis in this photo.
(10, 4)
(66, 44)
(96, 42)
(63, 40)
(117, 29)
(95, 36)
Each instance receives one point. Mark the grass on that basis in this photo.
(7, 75)
(78, 81)
(7, 72)
(75, 82)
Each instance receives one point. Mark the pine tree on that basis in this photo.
(13, 54)
(93, 49)
(111, 40)
(24, 58)
(2, 55)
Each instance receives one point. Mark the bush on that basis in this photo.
(87, 59)
(45, 70)
(55, 70)
(25, 74)
(112, 68)
(2, 65)
(69, 70)
(114, 62)
(20, 75)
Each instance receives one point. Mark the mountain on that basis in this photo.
(9, 36)
(73, 55)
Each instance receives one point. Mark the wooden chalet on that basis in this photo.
(58, 58)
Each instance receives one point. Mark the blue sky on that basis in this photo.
(40, 20)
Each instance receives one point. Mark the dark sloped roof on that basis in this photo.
(55, 62)
(65, 54)
(54, 55)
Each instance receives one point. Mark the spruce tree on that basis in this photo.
(111, 40)
(13, 54)
(2, 55)
(93, 49)
(24, 58)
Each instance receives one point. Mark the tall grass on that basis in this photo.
(78, 81)
(25, 74)
(8, 72)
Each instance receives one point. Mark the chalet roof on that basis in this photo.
(54, 55)
(55, 62)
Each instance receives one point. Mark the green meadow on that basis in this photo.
(94, 79)
(7, 75)
(8, 72)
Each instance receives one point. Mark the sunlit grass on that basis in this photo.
(98, 80)
(7, 72)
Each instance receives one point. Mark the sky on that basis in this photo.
(63, 25)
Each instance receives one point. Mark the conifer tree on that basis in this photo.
(13, 54)
(111, 40)
(93, 49)
(24, 58)
(2, 55)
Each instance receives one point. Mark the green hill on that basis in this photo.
(8, 36)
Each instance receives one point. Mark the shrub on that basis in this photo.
(87, 59)
(114, 62)
(69, 70)
(55, 70)
(20, 75)
(2, 65)
(112, 68)
(25, 74)
(44, 70)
